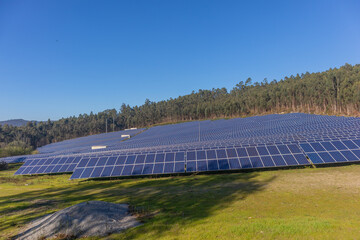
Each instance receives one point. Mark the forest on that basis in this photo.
(332, 92)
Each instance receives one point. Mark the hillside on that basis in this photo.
(14, 122)
(307, 203)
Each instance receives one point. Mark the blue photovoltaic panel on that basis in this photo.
(333, 151)
(49, 165)
(14, 159)
(142, 164)
(249, 157)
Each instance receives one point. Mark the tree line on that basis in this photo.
(333, 92)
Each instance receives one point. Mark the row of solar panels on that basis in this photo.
(197, 160)
(221, 151)
(171, 148)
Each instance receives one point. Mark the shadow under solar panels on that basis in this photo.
(332, 151)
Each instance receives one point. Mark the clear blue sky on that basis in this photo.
(63, 57)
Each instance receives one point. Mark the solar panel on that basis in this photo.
(242, 158)
(333, 151)
(13, 159)
(141, 164)
(48, 165)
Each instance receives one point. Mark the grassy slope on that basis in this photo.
(282, 204)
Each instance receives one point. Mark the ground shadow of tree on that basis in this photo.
(179, 200)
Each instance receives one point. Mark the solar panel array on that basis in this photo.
(242, 143)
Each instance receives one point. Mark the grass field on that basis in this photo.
(321, 203)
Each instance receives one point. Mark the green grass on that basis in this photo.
(308, 203)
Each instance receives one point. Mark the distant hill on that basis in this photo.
(15, 122)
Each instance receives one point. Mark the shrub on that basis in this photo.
(4, 165)
(15, 148)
